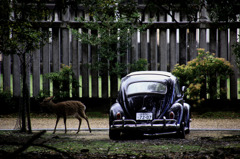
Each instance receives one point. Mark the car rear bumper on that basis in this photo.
(157, 125)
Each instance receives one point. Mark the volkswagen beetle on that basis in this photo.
(149, 102)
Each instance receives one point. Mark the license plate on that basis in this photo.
(144, 116)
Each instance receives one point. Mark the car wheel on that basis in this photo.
(181, 131)
(188, 127)
(114, 135)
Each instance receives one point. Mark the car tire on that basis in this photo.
(181, 131)
(114, 135)
(188, 127)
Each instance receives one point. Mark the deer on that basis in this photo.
(67, 108)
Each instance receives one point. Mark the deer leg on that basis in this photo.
(65, 120)
(80, 122)
(56, 125)
(86, 118)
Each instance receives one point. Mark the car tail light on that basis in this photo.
(171, 115)
(118, 116)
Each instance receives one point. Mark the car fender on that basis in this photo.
(187, 114)
(116, 107)
(177, 108)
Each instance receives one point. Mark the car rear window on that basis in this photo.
(146, 87)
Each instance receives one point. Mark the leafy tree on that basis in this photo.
(223, 10)
(19, 35)
(112, 22)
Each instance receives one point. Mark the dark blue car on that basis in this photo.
(149, 102)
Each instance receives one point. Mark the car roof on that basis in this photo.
(138, 76)
(163, 73)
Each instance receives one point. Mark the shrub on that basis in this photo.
(201, 75)
(62, 80)
(7, 102)
(139, 65)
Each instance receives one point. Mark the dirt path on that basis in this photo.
(49, 123)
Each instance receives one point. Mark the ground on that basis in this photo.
(198, 144)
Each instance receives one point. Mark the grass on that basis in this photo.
(104, 147)
(76, 144)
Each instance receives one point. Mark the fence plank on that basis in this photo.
(134, 47)
(16, 76)
(6, 72)
(163, 50)
(65, 46)
(213, 40)
(213, 49)
(55, 55)
(143, 40)
(202, 38)
(28, 66)
(84, 69)
(153, 48)
(192, 44)
(223, 52)
(75, 65)
(182, 46)
(46, 66)
(36, 72)
(173, 53)
(144, 45)
(234, 77)
(94, 73)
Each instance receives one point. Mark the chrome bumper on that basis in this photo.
(157, 124)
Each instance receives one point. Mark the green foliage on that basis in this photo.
(63, 81)
(140, 65)
(18, 35)
(222, 10)
(112, 23)
(201, 72)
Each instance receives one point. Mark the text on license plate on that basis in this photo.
(144, 116)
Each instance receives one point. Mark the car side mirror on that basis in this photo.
(184, 88)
